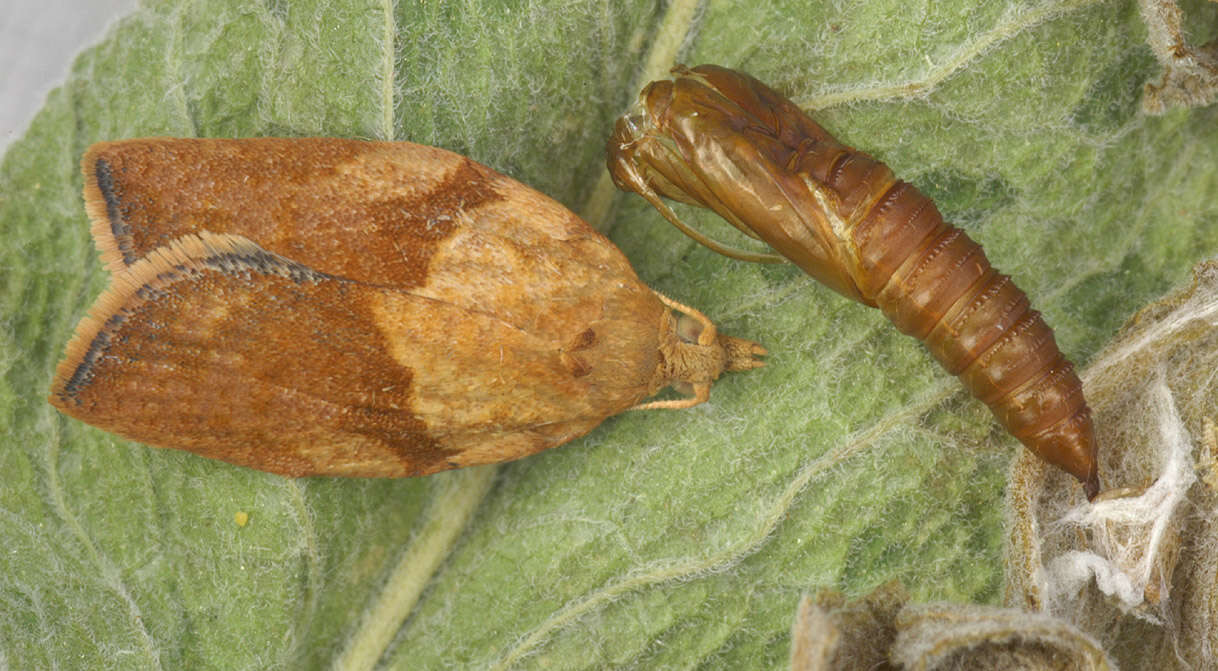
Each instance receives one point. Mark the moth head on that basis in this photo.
(693, 354)
(699, 353)
(738, 353)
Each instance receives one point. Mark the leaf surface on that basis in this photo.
(663, 538)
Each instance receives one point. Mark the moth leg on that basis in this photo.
(652, 197)
(701, 395)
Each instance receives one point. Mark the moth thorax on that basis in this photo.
(691, 362)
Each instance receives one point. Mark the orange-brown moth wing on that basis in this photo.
(214, 345)
(468, 267)
(393, 214)
(388, 213)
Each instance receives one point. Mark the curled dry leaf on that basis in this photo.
(882, 630)
(1136, 568)
(830, 633)
(956, 636)
(1209, 455)
(1190, 74)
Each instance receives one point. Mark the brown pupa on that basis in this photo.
(720, 139)
(333, 307)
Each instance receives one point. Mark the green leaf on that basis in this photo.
(663, 538)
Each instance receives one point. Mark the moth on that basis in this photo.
(722, 140)
(334, 307)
